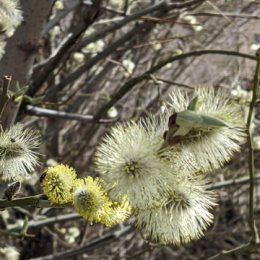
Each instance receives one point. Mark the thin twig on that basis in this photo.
(126, 7)
(48, 221)
(227, 183)
(26, 201)
(41, 73)
(36, 201)
(95, 243)
(254, 243)
(4, 95)
(45, 112)
(91, 62)
(254, 232)
(111, 10)
(232, 15)
(238, 250)
(159, 81)
(129, 85)
(59, 16)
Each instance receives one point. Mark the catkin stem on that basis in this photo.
(4, 96)
(36, 201)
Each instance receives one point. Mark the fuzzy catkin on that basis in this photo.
(18, 156)
(10, 18)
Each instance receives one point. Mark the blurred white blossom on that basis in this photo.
(192, 20)
(242, 94)
(94, 47)
(112, 112)
(129, 67)
(9, 253)
(78, 57)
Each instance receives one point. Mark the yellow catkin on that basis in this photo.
(59, 184)
(91, 200)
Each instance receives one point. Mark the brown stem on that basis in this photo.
(4, 96)
(252, 224)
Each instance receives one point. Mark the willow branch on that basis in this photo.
(91, 62)
(48, 221)
(4, 95)
(44, 70)
(232, 15)
(129, 85)
(233, 182)
(20, 202)
(95, 243)
(36, 201)
(252, 224)
(226, 254)
(60, 15)
(45, 112)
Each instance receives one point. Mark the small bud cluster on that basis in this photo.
(87, 195)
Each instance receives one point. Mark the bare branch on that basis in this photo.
(39, 111)
(95, 243)
(231, 15)
(254, 232)
(4, 95)
(129, 85)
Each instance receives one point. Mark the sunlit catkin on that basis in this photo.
(91, 201)
(210, 129)
(183, 215)
(129, 161)
(58, 183)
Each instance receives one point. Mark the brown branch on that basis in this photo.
(59, 16)
(228, 183)
(232, 15)
(95, 243)
(226, 254)
(4, 95)
(129, 85)
(106, 52)
(41, 73)
(64, 51)
(252, 224)
(21, 202)
(161, 7)
(45, 112)
(254, 243)
(48, 221)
